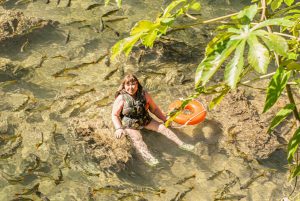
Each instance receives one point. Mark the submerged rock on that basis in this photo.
(99, 143)
(245, 129)
(15, 23)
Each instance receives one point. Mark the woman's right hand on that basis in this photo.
(119, 132)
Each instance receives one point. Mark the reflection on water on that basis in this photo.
(41, 87)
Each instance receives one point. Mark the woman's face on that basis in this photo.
(131, 87)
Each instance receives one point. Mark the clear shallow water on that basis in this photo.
(207, 175)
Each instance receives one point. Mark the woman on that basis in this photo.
(130, 114)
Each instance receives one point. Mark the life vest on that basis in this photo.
(134, 112)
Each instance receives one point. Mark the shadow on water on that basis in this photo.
(37, 90)
(277, 160)
(36, 40)
(14, 4)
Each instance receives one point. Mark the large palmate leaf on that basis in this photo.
(281, 115)
(258, 56)
(293, 145)
(276, 86)
(216, 43)
(274, 42)
(212, 63)
(275, 21)
(234, 68)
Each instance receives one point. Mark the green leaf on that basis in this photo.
(275, 21)
(125, 45)
(281, 115)
(276, 86)
(119, 3)
(212, 63)
(142, 26)
(297, 81)
(295, 11)
(234, 30)
(288, 2)
(276, 43)
(292, 56)
(258, 56)
(106, 2)
(149, 39)
(162, 29)
(234, 68)
(276, 4)
(293, 66)
(249, 12)
(293, 145)
(171, 6)
(167, 21)
(296, 171)
(216, 42)
(195, 6)
(218, 99)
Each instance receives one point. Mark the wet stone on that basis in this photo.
(15, 23)
(13, 101)
(35, 118)
(3, 127)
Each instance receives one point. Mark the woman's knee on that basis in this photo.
(135, 135)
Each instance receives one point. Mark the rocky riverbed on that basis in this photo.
(57, 86)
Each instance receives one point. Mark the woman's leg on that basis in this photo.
(159, 127)
(140, 145)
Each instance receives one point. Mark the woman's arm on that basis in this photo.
(115, 115)
(154, 109)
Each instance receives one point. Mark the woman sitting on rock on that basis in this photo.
(130, 114)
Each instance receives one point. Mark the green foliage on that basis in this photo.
(276, 86)
(293, 145)
(234, 68)
(275, 4)
(219, 98)
(213, 62)
(281, 115)
(258, 56)
(147, 31)
(220, 49)
(118, 2)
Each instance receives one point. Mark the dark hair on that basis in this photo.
(127, 79)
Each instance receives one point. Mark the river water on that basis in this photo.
(45, 71)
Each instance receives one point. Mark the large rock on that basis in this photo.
(15, 23)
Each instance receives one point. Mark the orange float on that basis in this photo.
(193, 113)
